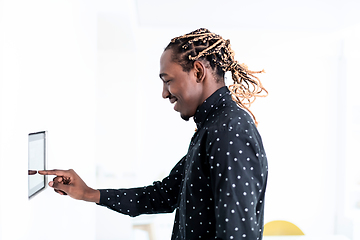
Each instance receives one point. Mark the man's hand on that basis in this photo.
(67, 182)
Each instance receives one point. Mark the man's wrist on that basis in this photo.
(93, 195)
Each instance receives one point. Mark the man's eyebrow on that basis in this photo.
(161, 75)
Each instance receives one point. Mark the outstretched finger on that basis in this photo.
(53, 172)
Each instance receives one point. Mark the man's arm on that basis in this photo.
(161, 197)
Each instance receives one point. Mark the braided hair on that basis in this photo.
(202, 44)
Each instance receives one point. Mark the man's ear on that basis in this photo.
(199, 71)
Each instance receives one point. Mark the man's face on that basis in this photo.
(180, 87)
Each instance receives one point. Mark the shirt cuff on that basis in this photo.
(104, 194)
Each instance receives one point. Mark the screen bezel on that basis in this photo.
(38, 188)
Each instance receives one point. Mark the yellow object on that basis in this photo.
(280, 228)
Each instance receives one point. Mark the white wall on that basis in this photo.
(296, 129)
(48, 74)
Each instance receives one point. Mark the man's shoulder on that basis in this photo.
(230, 115)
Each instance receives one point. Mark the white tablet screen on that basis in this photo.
(36, 162)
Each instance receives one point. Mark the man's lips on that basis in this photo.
(173, 100)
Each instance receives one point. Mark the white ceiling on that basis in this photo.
(309, 15)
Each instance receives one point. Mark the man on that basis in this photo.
(218, 187)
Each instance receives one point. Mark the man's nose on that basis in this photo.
(165, 92)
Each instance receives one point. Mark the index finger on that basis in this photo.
(53, 172)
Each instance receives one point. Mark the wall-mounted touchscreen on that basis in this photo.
(36, 162)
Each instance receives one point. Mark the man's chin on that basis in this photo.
(185, 117)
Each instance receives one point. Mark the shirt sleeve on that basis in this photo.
(238, 170)
(161, 197)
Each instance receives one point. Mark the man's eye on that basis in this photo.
(167, 82)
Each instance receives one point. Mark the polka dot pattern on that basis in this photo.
(217, 188)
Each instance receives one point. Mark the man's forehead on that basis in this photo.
(165, 62)
(165, 57)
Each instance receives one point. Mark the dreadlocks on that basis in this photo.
(202, 44)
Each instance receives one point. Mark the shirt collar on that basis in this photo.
(207, 106)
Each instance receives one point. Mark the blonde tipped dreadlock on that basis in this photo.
(202, 44)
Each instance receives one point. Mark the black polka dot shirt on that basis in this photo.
(217, 188)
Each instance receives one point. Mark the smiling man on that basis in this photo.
(218, 187)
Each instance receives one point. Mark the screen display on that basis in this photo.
(36, 162)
